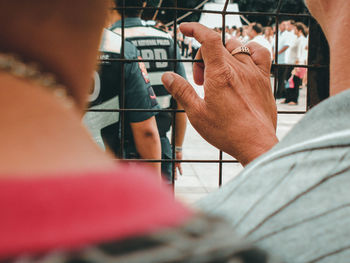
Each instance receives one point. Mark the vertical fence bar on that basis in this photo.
(122, 95)
(276, 69)
(223, 42)
(173, 129)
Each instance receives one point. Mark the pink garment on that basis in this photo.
(300, 72)
(39, 214)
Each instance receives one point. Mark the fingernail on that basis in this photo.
(167, 79)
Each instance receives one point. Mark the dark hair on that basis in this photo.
(257, 28)
(132, 12)
(301, 27)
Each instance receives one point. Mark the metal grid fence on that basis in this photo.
(318, 71)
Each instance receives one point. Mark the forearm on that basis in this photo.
(149, 148)
(147, 141)
(283, 50)
(254, 147)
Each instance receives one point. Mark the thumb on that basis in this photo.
(181, 90)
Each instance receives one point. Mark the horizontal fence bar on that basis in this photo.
(201, 61)
(176, 160)
(218, 12)
(170, 110)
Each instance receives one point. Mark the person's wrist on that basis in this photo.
(255, 150)
(178, 149)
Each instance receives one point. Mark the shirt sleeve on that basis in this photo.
(139, 93)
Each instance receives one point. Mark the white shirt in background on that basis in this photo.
(282, 43)
(303, 50)
(291, 54)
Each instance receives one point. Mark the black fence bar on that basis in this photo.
(173, 127)
(191, 61)
(275, 68)
(122, 94)
(171, 111)
(223, 42)
(221, 12)
(180, 161)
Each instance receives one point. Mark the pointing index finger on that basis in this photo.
(212, 48)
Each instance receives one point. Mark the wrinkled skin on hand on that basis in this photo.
(238, 113)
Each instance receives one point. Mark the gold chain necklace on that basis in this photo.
(31, 71)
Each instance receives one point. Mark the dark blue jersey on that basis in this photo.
(154, 44)
(106, 95)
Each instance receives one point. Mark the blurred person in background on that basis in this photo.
(153, 43)
(269, 35)
(302, 34)
(255, 33)
(233, 30)
(245, 37)
(239, 34)
(283, 46)
(141, 137)
(292, 51)
(195, 46)
(228, 34)
(296, 56)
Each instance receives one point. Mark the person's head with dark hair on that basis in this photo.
(239, 32)
(254, 29)
(268, 31)
(283, 25)
(130, 12)
(300, 29)
(257, 28)
(290, 25)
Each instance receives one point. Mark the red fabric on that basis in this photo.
(70, 211)
(291, 82)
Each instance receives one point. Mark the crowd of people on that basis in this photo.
(292, 50)
(64, 199)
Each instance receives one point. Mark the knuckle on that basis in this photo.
(264, 53)
(221, 76)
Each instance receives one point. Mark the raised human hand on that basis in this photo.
(238, 113)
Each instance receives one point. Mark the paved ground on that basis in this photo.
(201, 178)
